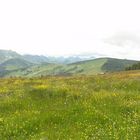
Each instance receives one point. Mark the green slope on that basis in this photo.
(12, 66)
(89, 67)
(113, 64)
(85, 67)
(97, 66)
(36, 70)
(16, 63)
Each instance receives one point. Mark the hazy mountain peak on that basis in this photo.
(7, 54)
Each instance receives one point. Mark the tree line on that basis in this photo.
(133, 67)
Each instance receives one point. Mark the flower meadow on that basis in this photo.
(101, 107)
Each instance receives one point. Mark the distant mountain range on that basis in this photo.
(14, 64)
(39, 59)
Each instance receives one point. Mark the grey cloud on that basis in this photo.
(122, 39)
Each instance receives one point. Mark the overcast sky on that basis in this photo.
(64, 27)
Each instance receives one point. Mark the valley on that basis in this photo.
(15, 65)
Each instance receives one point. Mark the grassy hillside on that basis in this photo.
(103, 107)
(117, 64)
(20, 67)
(35, 71)
(79, 68)
(90, 66)
(16, 63)
(11, 66)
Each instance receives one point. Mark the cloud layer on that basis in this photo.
(71, 27)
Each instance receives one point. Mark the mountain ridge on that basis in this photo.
(35, 65)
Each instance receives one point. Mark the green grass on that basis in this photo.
(91, 66)
(103, 107)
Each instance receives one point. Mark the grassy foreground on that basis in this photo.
(103, 107)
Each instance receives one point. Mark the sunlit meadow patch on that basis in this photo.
(71, 108)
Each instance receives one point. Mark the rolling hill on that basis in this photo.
(88, 67)
(100, 65)
(14, 64)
